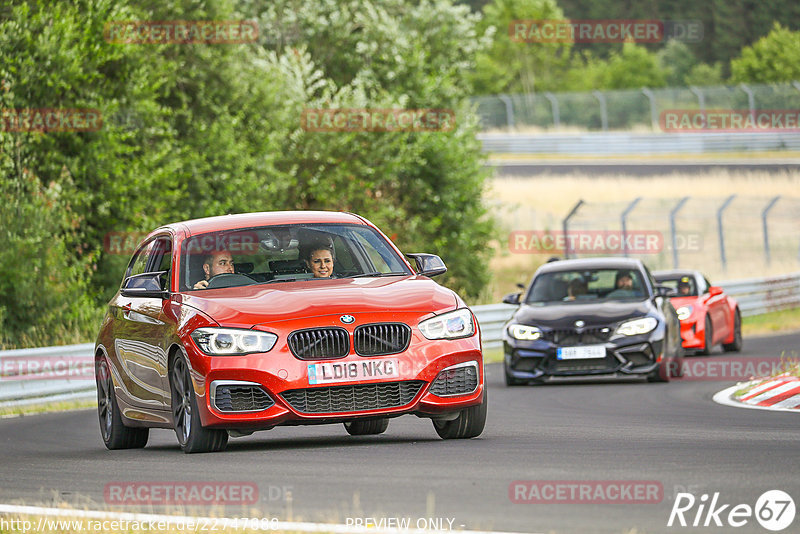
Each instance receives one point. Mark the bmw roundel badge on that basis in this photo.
(347, 319)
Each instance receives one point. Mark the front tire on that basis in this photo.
(366, 428)
(510, 380)
(736, 344)
(469, 423)
(708, 338)
(192, 436)
(114, 433)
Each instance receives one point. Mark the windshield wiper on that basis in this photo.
(375, 274)
(279, 280)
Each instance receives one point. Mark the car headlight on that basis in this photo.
(232, 341)
(524, 332)
(637, 326)
(684, 312)
(449, 325)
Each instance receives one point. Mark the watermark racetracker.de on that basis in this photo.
(600, 242)
(586, 492)
(181, 493)
(377, 120)
(730, 120)
(604, 31)
(180, 31)
(50, 120)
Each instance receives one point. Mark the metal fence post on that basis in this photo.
(764, 226)
(751, 100)
(722, 256)
(554, 106)
(509, 110)
(672, 228)
(565, 223)
(701, 98)
(603, 111)
(653, 109)
(624, 218)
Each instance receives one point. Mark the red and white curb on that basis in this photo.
(781, 393)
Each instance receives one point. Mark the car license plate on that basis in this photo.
(332, 372)
(581, 353)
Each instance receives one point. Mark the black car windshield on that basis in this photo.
(587, 285)
(286, 253)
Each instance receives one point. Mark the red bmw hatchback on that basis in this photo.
(227, 325)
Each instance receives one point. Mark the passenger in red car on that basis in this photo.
(215, 263)
(320, 261)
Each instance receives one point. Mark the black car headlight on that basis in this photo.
(637, 326)
(451, 325)
(233, 341)
(524, 332)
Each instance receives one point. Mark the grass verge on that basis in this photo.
(771, 323)
(62, 406)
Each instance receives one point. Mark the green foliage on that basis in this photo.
(774, 58)
(508, 66)
(197, 130)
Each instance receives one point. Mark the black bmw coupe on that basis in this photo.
(598, 317)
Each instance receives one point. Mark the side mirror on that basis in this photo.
(146, 285)
(714, 291)
(428, 264)
(512, 298)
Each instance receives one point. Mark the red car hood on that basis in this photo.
(677, 302)
(250, 305)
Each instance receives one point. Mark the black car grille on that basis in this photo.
(571, 336)
(320, 343)
(381, 339)
(355, 398)
(458, 381)
(233, 398)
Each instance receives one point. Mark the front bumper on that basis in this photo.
(274, 388)
(537, 360)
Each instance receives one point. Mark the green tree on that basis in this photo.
(511, 66)
(772, 59)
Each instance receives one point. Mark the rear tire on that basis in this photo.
(708, 339)
(366, 427)
(468, 424)
(114, 433)
(192, 436)
(736, 344)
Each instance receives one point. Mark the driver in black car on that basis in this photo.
(218, 262)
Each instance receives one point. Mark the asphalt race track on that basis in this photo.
(672, 434)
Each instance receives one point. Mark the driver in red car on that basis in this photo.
(218, 262)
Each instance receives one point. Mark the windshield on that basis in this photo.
(286, 253)
(681, 286)
(587, 286)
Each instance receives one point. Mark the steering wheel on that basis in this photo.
(229, 280)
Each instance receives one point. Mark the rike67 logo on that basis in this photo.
(774, 510)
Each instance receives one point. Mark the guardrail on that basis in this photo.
(624, 143)
(47, 374)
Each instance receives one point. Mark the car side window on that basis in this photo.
(162, 259)
(138, 264)
(704, 285)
